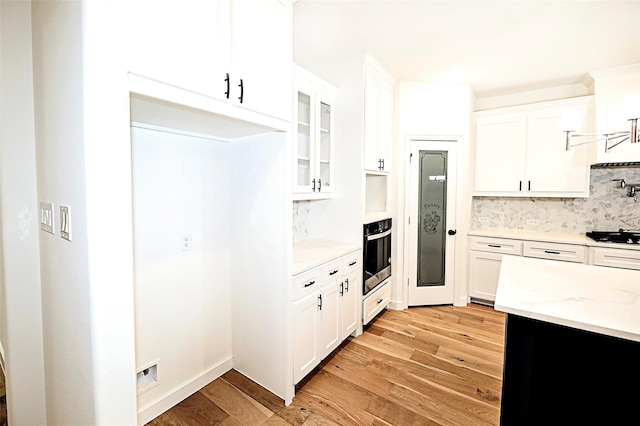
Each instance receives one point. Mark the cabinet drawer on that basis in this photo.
(496, 245)
(617, 258)
(306, 282)
(332, 271)
(554, 251)
(376, 302)
(351, 262)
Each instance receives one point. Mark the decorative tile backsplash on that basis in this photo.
(607, 209)
(301, 216)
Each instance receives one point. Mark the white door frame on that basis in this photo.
(459, 280)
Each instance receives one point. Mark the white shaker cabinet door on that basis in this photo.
(350, 299)
(306, 335)
(484, 271)
(550, 167)
(500, 154)
(180, 43)
(261, 56)
(331, 317)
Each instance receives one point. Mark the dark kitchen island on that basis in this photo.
(572, 343)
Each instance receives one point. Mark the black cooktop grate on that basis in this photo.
(620, 236)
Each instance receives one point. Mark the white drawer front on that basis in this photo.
(376, 302)
(306, 282)
(352, 262)
(629, 259)
(332, 271)
(554, 251)
(496, 245)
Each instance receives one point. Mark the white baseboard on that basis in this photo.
(150, 412)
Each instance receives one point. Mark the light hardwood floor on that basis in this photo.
(422, 366)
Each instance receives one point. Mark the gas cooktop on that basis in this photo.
(619, 236)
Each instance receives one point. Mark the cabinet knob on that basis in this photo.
(452, 232)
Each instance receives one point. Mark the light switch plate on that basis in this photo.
(47, 222)
(65, 222)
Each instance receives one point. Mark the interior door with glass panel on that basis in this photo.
(431, 230)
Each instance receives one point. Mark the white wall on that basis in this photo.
(20, 302)
(428, 110)
(83, 159)
(182, 187)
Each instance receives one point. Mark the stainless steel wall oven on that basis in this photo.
(376, 254)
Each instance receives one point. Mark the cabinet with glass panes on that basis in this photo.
(313, 137)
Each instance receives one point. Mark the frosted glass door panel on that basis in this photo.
(432, 214)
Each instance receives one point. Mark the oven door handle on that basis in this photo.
(378, 236)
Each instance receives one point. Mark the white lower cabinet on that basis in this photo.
(485, 257)
(376, 302)
(324, 310)
(555, 251)
(617, 258)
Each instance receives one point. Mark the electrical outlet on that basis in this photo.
(532, 221)
(47, 222)
(187, 242)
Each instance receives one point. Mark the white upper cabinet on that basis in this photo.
(234, 51)
(313, 120)
(617, 93)
(521, 151)
(261, 53)
(184, 44)
(378, 118)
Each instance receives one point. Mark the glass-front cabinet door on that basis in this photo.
(313, 176)
(304, 152)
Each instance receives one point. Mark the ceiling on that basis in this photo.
(497, 47)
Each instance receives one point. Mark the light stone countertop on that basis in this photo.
(551, 237)
(308, 254)
(592, 298)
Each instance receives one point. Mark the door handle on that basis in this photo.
(452, 232)
(241, 86)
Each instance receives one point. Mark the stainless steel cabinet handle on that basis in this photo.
(342, 289)
(320, 302)
(313, 187)
(227, 81)
(319, 184)
(347, 282)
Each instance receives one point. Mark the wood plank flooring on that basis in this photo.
(437, 365)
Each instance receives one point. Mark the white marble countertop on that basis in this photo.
(593, 298)
(310, 253)
(551, 237)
